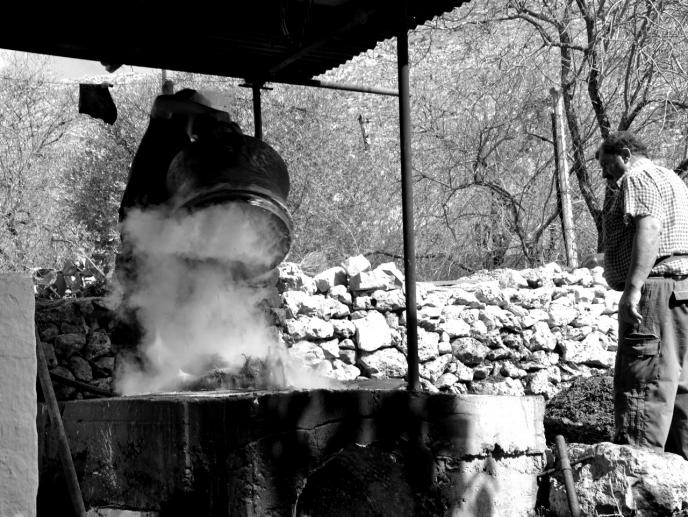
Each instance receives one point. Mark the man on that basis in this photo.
(646, 257)
(175, 121)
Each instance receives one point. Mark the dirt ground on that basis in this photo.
(582, 413)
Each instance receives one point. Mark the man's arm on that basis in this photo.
(643, 257)
(594, 260)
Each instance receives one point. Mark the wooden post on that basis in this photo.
(563, 178)
(58, 428)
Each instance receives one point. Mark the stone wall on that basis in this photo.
(498, 332)
(75, 335)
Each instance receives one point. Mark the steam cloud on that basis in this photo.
(197, 311)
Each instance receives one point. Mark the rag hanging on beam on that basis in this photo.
(95, 100)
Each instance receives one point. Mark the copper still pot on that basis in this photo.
(225, 166)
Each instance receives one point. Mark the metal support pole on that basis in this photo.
(565, 467)
(257, 112)
(407, 199)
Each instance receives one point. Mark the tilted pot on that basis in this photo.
(225, 166)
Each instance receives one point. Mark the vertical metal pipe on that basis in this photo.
(565, 467)
(257, 112)
(407, 199)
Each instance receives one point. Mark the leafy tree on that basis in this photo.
(34, 119)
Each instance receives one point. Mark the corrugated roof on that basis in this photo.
(259, 40)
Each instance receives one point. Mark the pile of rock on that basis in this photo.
(623, 480)
(499, 332)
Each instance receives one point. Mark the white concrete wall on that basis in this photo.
(18, 438)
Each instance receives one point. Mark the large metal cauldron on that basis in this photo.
(225, 166)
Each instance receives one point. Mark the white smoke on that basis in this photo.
(196, 312)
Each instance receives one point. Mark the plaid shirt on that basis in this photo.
(646, 189)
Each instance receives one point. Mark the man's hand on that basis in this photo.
(628, 306)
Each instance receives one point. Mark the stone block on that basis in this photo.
(19, 442)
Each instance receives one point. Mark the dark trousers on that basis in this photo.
(651, 372)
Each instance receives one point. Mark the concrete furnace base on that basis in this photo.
(315, 453)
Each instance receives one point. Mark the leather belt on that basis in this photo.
(678, 278)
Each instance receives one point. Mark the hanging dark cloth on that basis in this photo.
(95, 100)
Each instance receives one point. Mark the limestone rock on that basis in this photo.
(296, 328)
(592, 351)
(393, 300)
(622, 478)
(392, 271)
(560, 314)
(362, 302)
(588, 315)
(543, 382)
(455, 328)
(511, 340)
(98, 345)
(67, 345)
(432, 370)
(347, 344)
(606, 324)
(392, 319)
(372, 332)
(355, 265)
(371, 281)
(438, 298)
(512, 278)
(469, 351)
(343, 371)
(291, 278)
(293, 300)
(80, 368)
(444, 346)
(536, 298)
(388, 362)
(343, 328)
(446, 380)
(105, 364)
(323, 307)
(479, 331)
(104, 383)
(511, 370)
(460, 296)
(462, 372)
(317, 328)
(428, 345)
(309, 353)
(341, 294)
(542, 338)
(330, 278)
(497, 386)
(490, 294)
